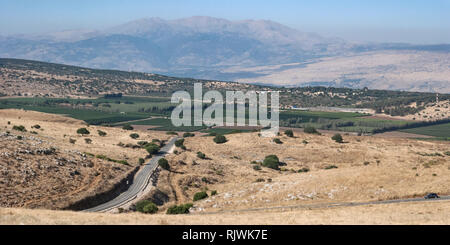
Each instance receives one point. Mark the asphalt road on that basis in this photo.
(141, 180)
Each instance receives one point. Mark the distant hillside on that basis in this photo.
(28, 78)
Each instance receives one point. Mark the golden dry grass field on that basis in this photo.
(66, 174)
(428, 213)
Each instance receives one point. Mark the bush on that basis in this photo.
(88, 141)
(305, 142)
(83, 131)
(150, 208)
(185, 135)
(338, 138)
(146, 206)
(164, 164)
(303, 170)
(72, 141)
(127, 127)
(272, 162)
(310, 130)
(182, 209)
(331, 167)
(101, 133)
(200, 195)
(141, 160)
(179, 143)
(152, 148)
(289, 133)
(220, 139)
(134, 136)
(19, 128)
(201, 155)
(171, 133)
(37, 126)
(256, 167)
(278, 141)
(213, 193)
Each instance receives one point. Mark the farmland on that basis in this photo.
(441, 130)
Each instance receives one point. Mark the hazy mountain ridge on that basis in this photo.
(158, 45)
(202, 47)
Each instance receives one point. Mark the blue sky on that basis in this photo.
(416, 21)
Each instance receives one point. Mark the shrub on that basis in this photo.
(200, 195)
(272, 162)
(72, 141)
(83, 131)
(150, 208)
(201, 155)
(164, 164)
(152, 148)
(146, 206)
(187, 134)
(19, 128)
(305, 142)
(171, 133)
(88, 141)
(134, 136)
(331, 167)
(37, 126)
(141, 160)
(213, 193)
(127, 127)
(179, 143)
(220, 139)
(256, 167)
(289, 133)
(101, 133)
(142, 143)
(181, 209)
(278, 141)
(338, 138)
(310, 130)
(260, 180)
(303, 170)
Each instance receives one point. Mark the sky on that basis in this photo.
(413, 21)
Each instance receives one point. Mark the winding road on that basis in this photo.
(140, 182)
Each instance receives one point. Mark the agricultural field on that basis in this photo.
(94, 111)
(440, 131)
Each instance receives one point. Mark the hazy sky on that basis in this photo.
(415, 21)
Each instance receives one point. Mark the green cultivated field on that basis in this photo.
(441, 130)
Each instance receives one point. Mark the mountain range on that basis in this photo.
(201, 47)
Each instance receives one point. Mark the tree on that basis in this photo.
(164, 164)
(289, 133)
(101, 133)
(220, 139)
(272, 162)
(278, 141)
(338, 138)
(83, 131)
(310, 130)
(179, 143)
(201, 155)
(134, 136)
(187, 134)
(152, 148)
(127, 127)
